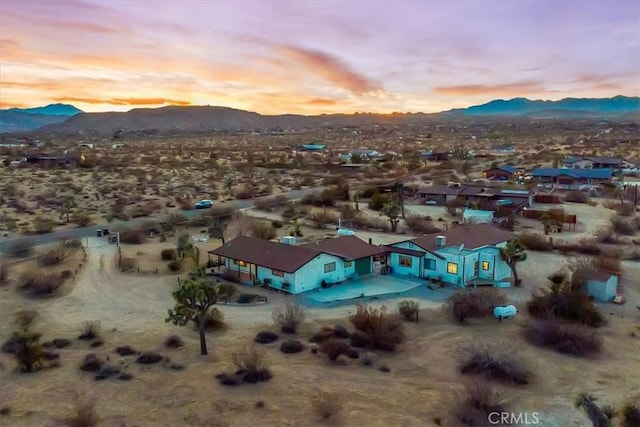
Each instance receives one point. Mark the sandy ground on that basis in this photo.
(131, 309)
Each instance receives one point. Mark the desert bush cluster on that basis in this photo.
(384, 329)
(475, 303)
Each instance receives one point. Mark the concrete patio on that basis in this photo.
(367, 287)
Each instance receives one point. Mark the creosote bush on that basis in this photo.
(90, 330)
(475, 303)
(84, 416)
(565, 303)
(473, 406)
(250, 364)
(409, 309)
(384, 329)
(496, 364)
(326, 405)
(570, 339)
(289, 317)
(168, 254)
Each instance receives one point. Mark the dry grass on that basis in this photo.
(84, 416)
(289, 317)
(327, 405)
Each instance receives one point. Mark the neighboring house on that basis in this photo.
(572, 179)
(502, 173)
(504, 148)
(312, 147)
(441, 194)
(68, 160)
(463, 255)
(475, 216)
(592, 162)
(437, 156)
(484, 198)
(600, 286)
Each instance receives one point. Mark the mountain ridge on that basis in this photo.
(218, 118)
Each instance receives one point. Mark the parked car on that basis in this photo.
(430, 202)
(203, 204)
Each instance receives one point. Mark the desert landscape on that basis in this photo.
(319, 213)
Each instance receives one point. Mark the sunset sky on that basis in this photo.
(313, 57)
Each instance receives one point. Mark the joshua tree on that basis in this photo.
(391, 209)
(194, 298)
(513, 253)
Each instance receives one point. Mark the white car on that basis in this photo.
(203, 204)
(430, 202)
(504, 312)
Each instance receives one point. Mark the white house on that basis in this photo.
(463, 255)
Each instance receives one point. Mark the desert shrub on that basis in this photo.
(125, 350)
(214, 320)
(84, 416)
(149, 358)
(378, 200)
(291, 346)
(475, 403)
(81, 219)
(334, 348)
(269, 203)
(326, 405)
(535, 242)
(565, 303)
(133, 237)
(323, 334)
(60, 342)
(475, 303)
(623, 226)
(576, 197)
(409, 309)
(630, 414)
(276, 224)
(505, 366)
(27, 350)
(173, 341)
(90, 331)
(246, 298)
(53, 256)
(360, 340)
(568, 339)
(4, 273)
(289, 317)
(289, 211)
(421, 225)
(263, 230)
(42, 224)
(320, 217)
(174, 266)
(39, 283)
(21, 248)
(368, 192)
(384, 329)
(250, 362)
(266, 337)
(341, 332)
(24, 318)
(168, 254)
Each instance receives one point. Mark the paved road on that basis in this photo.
(79, 233)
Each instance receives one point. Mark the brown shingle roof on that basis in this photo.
(351, 247)
(440, 190)
(586, 274)
(471, 235)
(277, 256)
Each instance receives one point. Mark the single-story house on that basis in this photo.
(504, 148)
(572, 179)
(352, 248)
(282, 266)
(69, 160)
(312, 147)
(502, 173)
(463, 255)
(592, 162)
(435, 156)
(441, 194)
(600, 286)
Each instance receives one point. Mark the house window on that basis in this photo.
(452, 268)
(485, 265)
(405, 261)
(277, 273)
(241, 263)
(347, 264)
(429, 264)
(329, 267)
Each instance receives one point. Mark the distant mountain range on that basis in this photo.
(66, 119)
(26, 119)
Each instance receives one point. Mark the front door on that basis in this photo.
(363, 266)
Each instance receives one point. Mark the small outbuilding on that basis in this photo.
(601, 286)
(475, 216)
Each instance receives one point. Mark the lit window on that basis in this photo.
(429, 264)
(347, 264)
(405, 261)
(485, 265)
(242, 263)
(329, 267)
(452, 268)
(277, 273)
